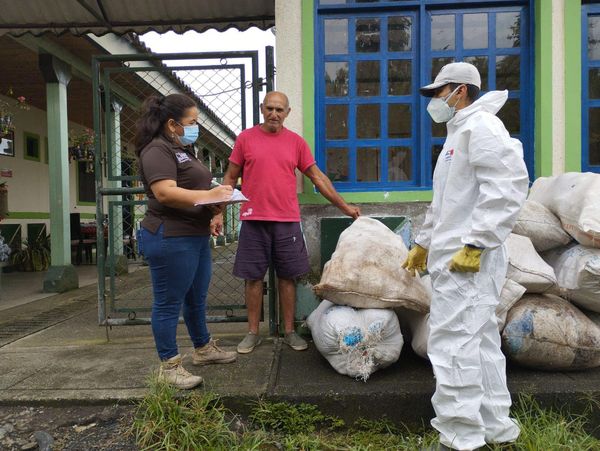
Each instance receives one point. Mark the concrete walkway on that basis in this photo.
(18, 288)
(73, 360)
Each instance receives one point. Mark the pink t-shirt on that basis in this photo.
(268, 162)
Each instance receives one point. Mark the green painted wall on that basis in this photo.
(573, 85)
(543, 88)
(308, 104)
(28, 215)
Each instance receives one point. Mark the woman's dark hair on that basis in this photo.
(156, 111)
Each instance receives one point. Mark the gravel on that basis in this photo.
(66, 428)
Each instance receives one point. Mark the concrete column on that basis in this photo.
(288, 17)
(62, 275)
(114, 147)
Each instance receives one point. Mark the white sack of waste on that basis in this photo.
(549, 333)
(365, 271)
(574, 198)
(419, 327)
(510, 295)
(577, 271)
(356, 342)
(419, 323)
(526, 267)
(541, 226)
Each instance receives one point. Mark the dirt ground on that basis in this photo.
(69, 428)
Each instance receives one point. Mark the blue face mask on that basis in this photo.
(190, 134)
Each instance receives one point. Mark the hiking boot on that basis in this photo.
(295, 341)
(248, 344)
(173, 372)
(211, 353)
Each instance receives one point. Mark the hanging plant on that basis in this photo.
(81, 147)
(7, 109)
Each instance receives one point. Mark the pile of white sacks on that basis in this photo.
(556, 258)
(550, 304)
(356, 327)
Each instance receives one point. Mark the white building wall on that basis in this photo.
(28, 188)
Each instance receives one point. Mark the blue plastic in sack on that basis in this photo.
(353, 337)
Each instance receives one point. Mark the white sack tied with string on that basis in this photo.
(541, 226)
(575, 198)
(547, 332)
(577, 271)
(356, 342)
(526, 267)
(365, 271)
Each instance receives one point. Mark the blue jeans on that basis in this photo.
(181, 270)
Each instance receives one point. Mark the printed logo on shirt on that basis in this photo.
(182, 157)
(448, 155)
(248, 212)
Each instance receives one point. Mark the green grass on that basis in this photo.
(552, 429)
(291, 419)
(167, 419)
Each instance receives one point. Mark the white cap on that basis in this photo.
(453, 73)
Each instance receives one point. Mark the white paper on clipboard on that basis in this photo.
(236, 197)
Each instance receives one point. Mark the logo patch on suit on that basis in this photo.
(448, 155)
(182, 157)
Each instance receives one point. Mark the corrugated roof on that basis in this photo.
(122, 16)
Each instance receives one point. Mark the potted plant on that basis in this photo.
(81, 147)
(34, 256)
(4, 252)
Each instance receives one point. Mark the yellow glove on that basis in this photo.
(416, 260)
(468, 259)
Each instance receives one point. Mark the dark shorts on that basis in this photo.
(264, 242)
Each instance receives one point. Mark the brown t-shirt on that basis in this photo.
(164, 160)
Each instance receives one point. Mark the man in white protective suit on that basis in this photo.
(479, 185)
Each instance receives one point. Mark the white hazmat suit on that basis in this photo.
(479, 185)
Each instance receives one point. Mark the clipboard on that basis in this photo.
(236, 198)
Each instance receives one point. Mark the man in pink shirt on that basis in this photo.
(267, 156)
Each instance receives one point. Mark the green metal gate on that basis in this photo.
(218, 82)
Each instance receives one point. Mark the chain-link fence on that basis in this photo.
(225, 100)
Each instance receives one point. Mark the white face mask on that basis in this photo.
(439, 110)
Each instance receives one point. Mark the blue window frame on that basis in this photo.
(590, 102)
(373, 131)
